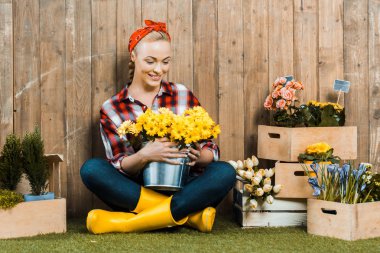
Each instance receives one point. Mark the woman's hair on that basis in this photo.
(152, 36)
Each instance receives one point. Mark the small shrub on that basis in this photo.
(9, 199)
(11, 163)
(35, 164)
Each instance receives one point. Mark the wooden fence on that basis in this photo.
(60, 59)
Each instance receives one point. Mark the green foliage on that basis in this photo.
(319, 157)
(10, 163)
(9, 199)
(35, 164)
(373, 189)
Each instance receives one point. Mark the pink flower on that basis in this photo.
(289, 84)
(268, 102)
(287, 93)
(282, 80)
(276, 94)
(298, 86)
(280, 104)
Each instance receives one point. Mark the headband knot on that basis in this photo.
(141, 33)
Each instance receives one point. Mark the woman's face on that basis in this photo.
(152, 60)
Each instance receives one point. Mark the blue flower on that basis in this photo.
(313, 181)
(332, 168)
(315, 167)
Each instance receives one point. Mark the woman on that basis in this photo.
(118, 181)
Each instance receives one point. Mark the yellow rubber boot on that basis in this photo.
(148, 198)
(101, 221)
(154, 218)
(202, 220)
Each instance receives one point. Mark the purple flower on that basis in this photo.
(313, 181)
(315, 167)
(332, 168)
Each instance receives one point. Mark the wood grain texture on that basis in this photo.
(205, 36)
(374, 82)
(330, 48)
(6, 70)
(256, 71)
(181, 32)
(78, 133)
(306, 47)
(156, 10)
(356, 71)
(128, 20)
(27, 93)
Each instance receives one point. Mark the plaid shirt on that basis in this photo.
(122, 107)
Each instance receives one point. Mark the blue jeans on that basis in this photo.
(122, 193)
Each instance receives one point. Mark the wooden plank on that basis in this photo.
(181, 32)
(374, 82)
(33, 218)
(306, 47)
(256, 70)
(6, 70)
(156, 10)
(330, 31)
(205, 50)
(280, 39)
(78, 105)
(128, 20)
(103, 68)
(356, 71)
(27, 98)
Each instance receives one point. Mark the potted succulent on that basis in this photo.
(35, 166)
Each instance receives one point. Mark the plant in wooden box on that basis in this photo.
(9, 199)
(36, 166)
(321, 114)
(282, 100)
(10, 163)
(193, 126)
(340, 209)
(258, 182)
(320, 152)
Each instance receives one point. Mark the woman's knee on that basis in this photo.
(225, 172)
(92, 168)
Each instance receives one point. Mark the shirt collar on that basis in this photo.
(165, 88)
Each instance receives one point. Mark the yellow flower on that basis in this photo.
(123, 129)
(318, 148)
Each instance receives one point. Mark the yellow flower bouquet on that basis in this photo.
(192, 126)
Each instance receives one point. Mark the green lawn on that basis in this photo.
(227, 236)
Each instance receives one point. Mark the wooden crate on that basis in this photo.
(283, 212)
(33, 218)
(294, 180)
(285, 144)
(343, 221)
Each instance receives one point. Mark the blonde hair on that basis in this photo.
(152, 36)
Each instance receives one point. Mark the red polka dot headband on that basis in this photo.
(141, 33)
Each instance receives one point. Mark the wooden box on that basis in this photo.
(285, 144)
(33, 218)
(284, 212)
(343, 221)
(294, 180)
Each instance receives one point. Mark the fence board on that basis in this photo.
(356, 70)
(27, 98)
(374, 82)
(78, 103)
(256, 71)
(6, 70)
(156, 10)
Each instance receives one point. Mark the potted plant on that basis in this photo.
(192, 126)
(320, 152)
(343, 207)
(9, 199)
(35, 166)
(10, 163)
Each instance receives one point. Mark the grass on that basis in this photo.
(227, 236)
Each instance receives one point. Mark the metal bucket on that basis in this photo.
(166, 177)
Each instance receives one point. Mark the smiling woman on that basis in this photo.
(118, 183)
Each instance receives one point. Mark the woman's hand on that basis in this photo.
(194, 154)
(161, 150)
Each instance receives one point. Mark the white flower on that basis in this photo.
(256, 180)
(261, 172)
(248, 188)
(269, 199)
(240, 165)
(269, 173)
(267, 181)
(255, 161)
(253, 203)
(277, 188)
(241, 173)
(248, 163)
(259, 192)
(267, 188)
(248, 174)
(233, 163)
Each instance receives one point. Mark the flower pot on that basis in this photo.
(165, 176)
(31, 197)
